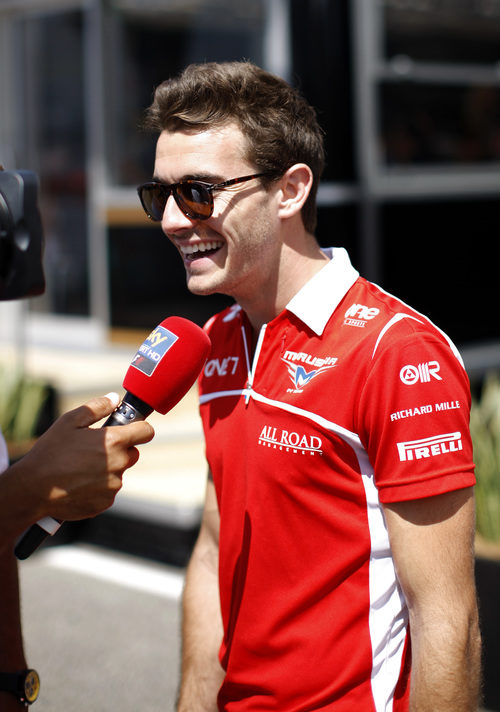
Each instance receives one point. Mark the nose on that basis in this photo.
(173, 219)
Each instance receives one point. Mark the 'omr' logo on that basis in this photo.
(430, 447)
(410, 375)
(298, 375)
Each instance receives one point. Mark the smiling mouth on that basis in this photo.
(201, 249)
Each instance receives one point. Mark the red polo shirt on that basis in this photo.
(350, 399)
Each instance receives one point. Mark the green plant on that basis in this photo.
(485, 431)
(21, 405)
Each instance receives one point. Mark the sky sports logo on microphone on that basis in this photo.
(153, 349)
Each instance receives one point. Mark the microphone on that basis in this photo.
(162, 371)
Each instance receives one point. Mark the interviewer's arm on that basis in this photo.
(432, 544)
(202, 633)
(11, 644)
(72, 472)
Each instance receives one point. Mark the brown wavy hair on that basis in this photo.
(279, 125)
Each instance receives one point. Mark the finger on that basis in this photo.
(133, 454)
(132, 434)
(94, 410)
(122, 460)
(141, 432)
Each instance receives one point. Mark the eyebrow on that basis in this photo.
(201, 177)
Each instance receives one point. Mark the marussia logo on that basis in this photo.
(299, 376)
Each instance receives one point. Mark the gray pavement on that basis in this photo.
(102, 630)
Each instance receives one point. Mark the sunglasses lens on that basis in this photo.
(194, 200)
(153, 199)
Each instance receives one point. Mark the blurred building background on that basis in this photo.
(407, 91)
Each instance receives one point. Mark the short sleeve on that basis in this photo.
(414, 416)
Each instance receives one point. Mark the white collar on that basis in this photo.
(317, 300)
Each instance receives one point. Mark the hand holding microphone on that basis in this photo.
(163, 369)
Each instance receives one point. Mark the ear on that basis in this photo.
(296, 184)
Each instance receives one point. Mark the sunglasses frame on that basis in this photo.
(168, 189)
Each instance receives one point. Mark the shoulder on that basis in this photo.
(226, 319)
(395, 324)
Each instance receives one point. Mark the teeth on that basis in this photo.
(200, 247)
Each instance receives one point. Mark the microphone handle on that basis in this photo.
(130, 409)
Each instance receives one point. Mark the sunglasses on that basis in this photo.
(195, 198)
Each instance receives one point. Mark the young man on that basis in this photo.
(334, 566)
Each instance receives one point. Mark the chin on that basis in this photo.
(199, 289)
(204, 288)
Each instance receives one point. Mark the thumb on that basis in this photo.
(95, 409)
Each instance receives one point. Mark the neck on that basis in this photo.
(296, 267)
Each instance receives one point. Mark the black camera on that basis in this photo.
(21, 236)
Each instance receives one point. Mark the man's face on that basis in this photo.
(231, 251)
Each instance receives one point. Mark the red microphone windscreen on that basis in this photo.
(167, 363)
